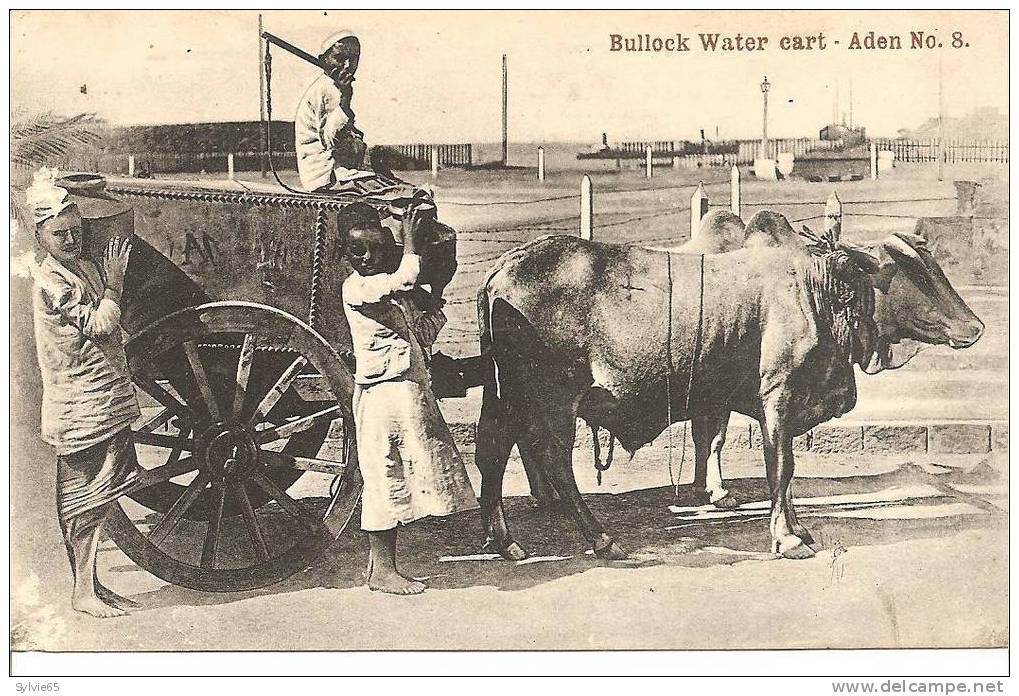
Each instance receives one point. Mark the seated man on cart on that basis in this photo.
(332, 157)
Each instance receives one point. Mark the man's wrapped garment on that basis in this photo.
(88, 402)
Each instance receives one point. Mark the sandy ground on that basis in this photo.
(900, 571)
(930, 571)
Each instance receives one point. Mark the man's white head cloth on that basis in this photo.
(334, 38)
(44, 197)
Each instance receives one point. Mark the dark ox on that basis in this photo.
(915, 305)
(613, 334)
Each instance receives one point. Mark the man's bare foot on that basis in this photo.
(90, 604)
(113, 599)
(394, 583)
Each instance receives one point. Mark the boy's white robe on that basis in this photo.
(410, 466)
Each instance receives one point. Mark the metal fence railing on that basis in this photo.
(414, 156)
(927, 150)
(450, 155)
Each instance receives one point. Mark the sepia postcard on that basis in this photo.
(351, 330)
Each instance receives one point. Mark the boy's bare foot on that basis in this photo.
(113, 599)
(394, 583)
(90, 604)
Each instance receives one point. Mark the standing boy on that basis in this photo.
(88, 401)
(410, 466)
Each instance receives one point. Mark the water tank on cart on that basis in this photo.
(153, 286)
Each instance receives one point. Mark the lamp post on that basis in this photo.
(764, 140)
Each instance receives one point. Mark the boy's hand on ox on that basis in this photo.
(115, 260)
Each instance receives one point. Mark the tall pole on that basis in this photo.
(835, 106)
(765, 86)
(505, 112)
(941, 119)
(261, 99)
(850, 105)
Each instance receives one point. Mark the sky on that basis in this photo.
(435, 76)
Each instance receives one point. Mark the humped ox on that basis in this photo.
(915, 305)
(582, 329)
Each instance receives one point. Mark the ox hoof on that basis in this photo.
(607, 549)
(808, 539)
(792, 547)
(727, 501)
(513, 552)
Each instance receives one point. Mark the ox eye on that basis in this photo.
(358, 249)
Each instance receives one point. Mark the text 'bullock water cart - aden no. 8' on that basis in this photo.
(243, 374)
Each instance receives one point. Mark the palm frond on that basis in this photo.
(37, 139)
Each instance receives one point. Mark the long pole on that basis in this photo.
(261, 99)
(941, 119)
(505, 112)
(835, 111)
(850, 104)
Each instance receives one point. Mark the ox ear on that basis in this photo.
(874, 260)
(866, 259)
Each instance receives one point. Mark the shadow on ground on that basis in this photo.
(646, 528)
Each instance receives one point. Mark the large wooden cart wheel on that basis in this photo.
(238, 492)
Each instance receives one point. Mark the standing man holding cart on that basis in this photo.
(88, 401)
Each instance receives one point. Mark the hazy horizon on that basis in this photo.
(436, 76)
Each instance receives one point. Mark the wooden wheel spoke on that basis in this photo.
(322, 466)
(171, 442)
(300, 425)
(243, 372)
(156, 421)
(278, 389)
(157, 392)
(201, 379)
(163, 528)
(255, 367)
(166, 472)
(251, 521)
(215, 522)
(291, 506)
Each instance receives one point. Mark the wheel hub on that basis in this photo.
(229, 451)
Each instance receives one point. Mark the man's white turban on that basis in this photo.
(338, 36)
(44, 197)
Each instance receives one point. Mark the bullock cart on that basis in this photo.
(243, 373)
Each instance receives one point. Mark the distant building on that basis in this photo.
(985, 123)
(837, 131)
